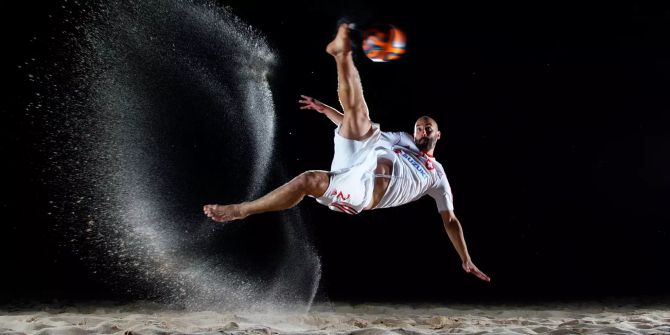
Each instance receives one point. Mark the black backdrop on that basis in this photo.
(555, 141)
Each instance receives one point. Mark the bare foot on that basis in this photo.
(341, 45)
(223, 213)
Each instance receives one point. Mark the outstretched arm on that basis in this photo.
(313, 104)
(455, 232)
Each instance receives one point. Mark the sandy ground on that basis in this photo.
(342, 319)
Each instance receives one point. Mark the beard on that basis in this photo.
(426, 143)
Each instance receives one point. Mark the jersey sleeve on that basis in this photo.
(406, 140)
(442, 195)
(399, 138)
(391, 137)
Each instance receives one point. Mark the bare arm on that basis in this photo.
(455, 232)
(313, 104)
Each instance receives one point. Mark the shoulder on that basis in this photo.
(406, 136)
(396, 137)
(441, 175)
(395, 134)
(438, 165)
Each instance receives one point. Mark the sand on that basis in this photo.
(342, 319)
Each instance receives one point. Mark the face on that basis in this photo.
(426, 133)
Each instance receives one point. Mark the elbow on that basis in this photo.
(452, 225)
(449, 217)
(450, 220)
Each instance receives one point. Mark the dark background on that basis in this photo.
(555, 139)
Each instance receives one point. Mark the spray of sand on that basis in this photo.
(149, 108)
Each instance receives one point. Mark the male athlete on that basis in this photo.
(371, 169)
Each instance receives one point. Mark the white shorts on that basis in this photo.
(351, 173)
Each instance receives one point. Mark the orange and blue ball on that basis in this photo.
(384, 43)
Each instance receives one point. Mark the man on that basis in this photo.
(370, 169)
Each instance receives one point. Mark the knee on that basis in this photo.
(315, 183)
(356, 129)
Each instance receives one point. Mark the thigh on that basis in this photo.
(349, 191)
(350, 152)
(354, 129)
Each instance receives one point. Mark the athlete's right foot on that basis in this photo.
(223, 213)
(341, 45)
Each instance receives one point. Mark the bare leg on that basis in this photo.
(313, 183)
(356, 124)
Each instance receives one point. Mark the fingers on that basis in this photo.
(307, 100)
(471, 268)
(306, 104)
(479, 274)
(309, 106)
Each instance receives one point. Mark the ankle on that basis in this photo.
(342, 56)
(243, 210)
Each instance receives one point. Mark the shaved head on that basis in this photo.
(426, 134)
(427, 119)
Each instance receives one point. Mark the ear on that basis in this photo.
(439, 134)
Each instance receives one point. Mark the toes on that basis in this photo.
(219, 218)
(218, 213)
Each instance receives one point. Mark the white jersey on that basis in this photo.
(415, 173)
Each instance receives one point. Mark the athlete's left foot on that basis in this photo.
(223, 213)
(341, 44)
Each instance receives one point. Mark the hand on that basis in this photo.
(469, 267)
(311, 103)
